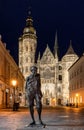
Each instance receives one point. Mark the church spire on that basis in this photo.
(29, 29)
(70, 49)
(56, 46)
(39, 56)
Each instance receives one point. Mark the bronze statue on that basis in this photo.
(33, 89)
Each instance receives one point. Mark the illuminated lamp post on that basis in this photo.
(7, 91)
(77, 100)
(14, 82)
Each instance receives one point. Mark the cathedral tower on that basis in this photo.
(67, 60)
(27, 47)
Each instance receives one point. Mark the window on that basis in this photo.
(31, 49)
(60, 77)
(26, 59)
(59, 89)
(80, 99)
(60, 67)
(26, 69)
(80, 83)
(72, 99)
(74, 73)
(81, 69)
(26, 48)
(77, 84)
(77, 71)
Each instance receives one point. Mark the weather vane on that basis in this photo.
(29, 10)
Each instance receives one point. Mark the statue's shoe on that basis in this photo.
(41, 123)
(32, 124)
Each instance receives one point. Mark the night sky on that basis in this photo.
(64, 16)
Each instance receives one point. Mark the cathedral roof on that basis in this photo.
(70, 49)
(47, 55)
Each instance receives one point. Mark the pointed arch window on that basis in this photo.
(26, 69)
(60, 77)
(26, 59)
(26, 48)
(31, 48)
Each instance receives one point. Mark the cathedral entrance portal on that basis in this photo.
(47, 101)
(59, 101)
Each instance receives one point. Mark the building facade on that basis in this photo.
(9, 73)
(27, 47)
(54, 73)
(76, 82)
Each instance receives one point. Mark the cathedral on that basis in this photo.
(53, 72)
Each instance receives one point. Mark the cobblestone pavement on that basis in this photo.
(54, 118)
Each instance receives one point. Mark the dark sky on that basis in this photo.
(65, 16)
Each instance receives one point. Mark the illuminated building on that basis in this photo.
(8, 71)
(54, 73)
(76, 82)
(27, 47)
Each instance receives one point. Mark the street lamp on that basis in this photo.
(77, 100)
(14, 82)
(7, 91)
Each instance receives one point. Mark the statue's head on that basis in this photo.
(33, 69)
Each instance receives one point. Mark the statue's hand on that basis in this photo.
(40, 95)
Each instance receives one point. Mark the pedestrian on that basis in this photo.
(16, 102)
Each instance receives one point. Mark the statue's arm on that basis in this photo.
(39, 82)
(29, 81)
(39, 86)
(26, 83)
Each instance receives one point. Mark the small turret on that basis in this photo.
(70, 49)
(56, 47)
(39, 56)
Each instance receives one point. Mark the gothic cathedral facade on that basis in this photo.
(54, 73)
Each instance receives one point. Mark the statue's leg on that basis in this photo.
(32, 115)
(31, 107)
(39, 108)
